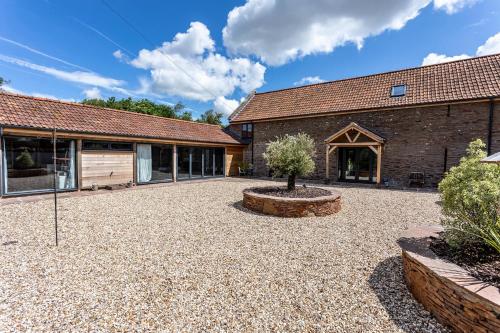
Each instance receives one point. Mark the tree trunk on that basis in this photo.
(291, 182)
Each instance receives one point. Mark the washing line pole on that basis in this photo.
(54, 138)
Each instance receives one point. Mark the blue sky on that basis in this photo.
(210, 54)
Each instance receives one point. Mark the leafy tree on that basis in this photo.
(211, 117)
(144, 106)
(3, 82)
(292, 156)
(470, 195)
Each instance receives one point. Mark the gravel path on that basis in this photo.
(188, 257)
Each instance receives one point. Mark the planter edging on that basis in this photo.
(449, 292)
(292, 207)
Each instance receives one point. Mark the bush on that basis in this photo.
(292, 156)
(470, 195)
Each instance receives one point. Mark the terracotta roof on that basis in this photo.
(42, 113)
(470, 79)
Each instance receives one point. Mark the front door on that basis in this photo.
(357, 165)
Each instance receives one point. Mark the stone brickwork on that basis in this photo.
(454, 297)
(416, 138)
(292, 207)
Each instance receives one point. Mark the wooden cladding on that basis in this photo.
(234, 157)
(106, 168)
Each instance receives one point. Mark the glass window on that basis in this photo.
(246, 131)
(196, 162)
(154, 163)
(219, 161)
(100, 145)
(399, 90)
(183, 162)
(30, 164)
(208, 162)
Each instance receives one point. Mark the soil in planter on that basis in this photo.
(298, 192)
(480, 261)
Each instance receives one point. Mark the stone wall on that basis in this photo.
(454, 297)
(292, 207)
(416, 138)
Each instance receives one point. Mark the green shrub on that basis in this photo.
(470, 195)
(24, 160)
(291, 156)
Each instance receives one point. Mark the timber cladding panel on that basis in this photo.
(234, 157)
(107, 168)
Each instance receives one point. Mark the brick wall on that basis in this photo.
(415, 138)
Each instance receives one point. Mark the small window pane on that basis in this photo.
(399, 90)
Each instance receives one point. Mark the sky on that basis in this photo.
(212, 54)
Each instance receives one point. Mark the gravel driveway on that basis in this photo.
(188, 257)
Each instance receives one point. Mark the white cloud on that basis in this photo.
(453, 6)
(13, 90)
(189, 67)
(434, 58)
(118, 54)
(92, 93)
(280, 31)
(88, 78)
(224, 105)
(491, 46)
(308, 80)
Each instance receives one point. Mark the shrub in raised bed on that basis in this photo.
(291, 155)
(470, 195)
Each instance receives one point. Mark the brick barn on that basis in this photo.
(382, 128)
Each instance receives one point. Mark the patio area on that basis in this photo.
(189, 257)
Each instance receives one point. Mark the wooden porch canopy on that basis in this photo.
(354, 135)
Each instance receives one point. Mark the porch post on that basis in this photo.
(134, 163)
(379, 164)
(327, 162)
(174, 163)
(79, 163)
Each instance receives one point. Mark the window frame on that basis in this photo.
(107, 146)
(394, 90)
(247, 131)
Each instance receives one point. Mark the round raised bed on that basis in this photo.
(291, 207)
(446, 290)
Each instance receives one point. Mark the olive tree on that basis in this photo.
(291, 155)
(470, 195)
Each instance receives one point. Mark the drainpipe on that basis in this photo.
(490, 126)
(252, 144)
(1, 162)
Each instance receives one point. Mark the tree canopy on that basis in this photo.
(211, 117)
(142, 106)
(3, 81)
(291, 155)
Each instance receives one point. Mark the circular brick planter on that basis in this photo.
(291, 207)
(450, 293)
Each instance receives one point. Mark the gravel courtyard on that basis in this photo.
(188, 257)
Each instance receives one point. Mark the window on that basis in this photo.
(247, 131)
(100, 145)
(398, 90)
(154, 163)
(29, 164)
(196, 162)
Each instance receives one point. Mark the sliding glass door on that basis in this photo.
(154, 163)
(29, 165)
(196, 162)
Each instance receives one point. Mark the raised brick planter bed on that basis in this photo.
(291, 207)
(452, 295)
